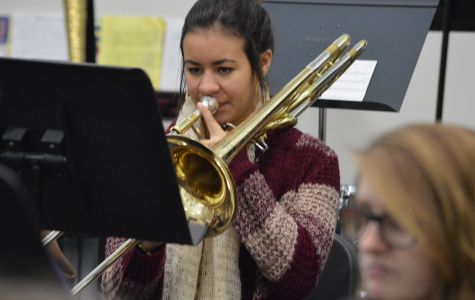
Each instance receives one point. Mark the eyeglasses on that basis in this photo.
(354, 222)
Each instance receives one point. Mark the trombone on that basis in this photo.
(206, 187)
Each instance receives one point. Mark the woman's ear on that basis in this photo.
(266, 59)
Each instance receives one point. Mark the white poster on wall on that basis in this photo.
(39, 36)
(171, 59)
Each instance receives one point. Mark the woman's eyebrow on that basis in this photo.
(192, 62)
(222, 61)
(216, 62)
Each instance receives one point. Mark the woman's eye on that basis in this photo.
(391, 224)
(224, 70)
(194, 71)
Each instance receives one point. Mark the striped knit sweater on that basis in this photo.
(285, 221)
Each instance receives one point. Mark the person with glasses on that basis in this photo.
(413, 216)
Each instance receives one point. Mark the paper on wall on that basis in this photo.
(39, 36)
(132, 41)
(171, 60)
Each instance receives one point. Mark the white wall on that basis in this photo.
(347, 130)
(11, 6)
(103, 7)
(460, 84)
(142, 7)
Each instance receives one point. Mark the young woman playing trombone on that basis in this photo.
(287, 195)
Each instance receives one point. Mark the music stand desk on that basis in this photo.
(395, 31)
(102, 124)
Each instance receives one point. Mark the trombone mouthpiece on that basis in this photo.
(184, 125)
(210, 103)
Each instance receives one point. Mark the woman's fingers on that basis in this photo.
(216, 132)
(211, 123)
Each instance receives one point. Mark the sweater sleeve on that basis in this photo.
(134, 275)
(289, 238)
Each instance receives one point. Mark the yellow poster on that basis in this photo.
(132, 41)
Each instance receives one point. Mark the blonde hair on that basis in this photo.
(425, 176)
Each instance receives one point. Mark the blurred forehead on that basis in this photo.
(367, 198)
(213, 42)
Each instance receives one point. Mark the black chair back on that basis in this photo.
(339, 276)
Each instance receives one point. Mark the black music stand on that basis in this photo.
(25, 269)
(90, 143)
(395, 31)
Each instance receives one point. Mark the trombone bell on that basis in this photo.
(206, 186)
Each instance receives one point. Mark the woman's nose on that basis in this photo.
(208, 84)
(371, 240)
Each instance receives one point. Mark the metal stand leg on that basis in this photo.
(322, 123)
(443, 59)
